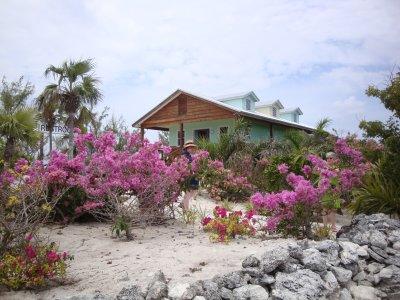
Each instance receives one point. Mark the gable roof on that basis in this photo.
(276, 102)
(237, 96)
(236, 110)
(290, 110)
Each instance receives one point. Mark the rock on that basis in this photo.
(95, 296)
(157, 291)
(302, 282)
(226, 294)
(360, 277)
(250, 291)
(194, 289)
(361, 238)
(378, 239)
(253, 272)
(394, 236)
(342, 275)
(177, 290)
(250, 261)
(331, 282)
(273, 258)
(386, 273)
(375, 256)
(374, 268)
(313, 260)
(231, 280)
(345, 295)
(393, 260)
(295, 250)
(396, 246)
(349, 253)
(267, 279)
(199, 298)
(327, 245)
(157, 276)
(362, 292)
(362, 265)
(211, 290)
(380, 252)
(362, 252)
(130, 293)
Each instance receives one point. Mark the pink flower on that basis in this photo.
(30, 251)
(205, 221)
(283, 168)
(52, 256)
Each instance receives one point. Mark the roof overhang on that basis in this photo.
(236, 111)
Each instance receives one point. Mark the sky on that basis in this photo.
(316, 55)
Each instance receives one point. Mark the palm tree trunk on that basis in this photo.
(50, 140)
(41, 146)
(9, 149)
(71, 135)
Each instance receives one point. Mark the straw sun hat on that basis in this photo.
(188, 144)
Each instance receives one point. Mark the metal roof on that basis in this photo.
(241, 112)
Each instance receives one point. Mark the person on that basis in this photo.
(189, 149)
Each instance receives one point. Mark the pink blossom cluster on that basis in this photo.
(101, 170)
(335, 175)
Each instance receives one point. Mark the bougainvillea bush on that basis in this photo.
(26, 201)
(226, 225)
(319, 187)
(221, 183)
(33, 264)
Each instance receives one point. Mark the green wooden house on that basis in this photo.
(187, 116)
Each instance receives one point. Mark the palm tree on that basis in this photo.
(76, 88)
(18, 122)
(48, 104)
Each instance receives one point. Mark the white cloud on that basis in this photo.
(298, 52)
(349, 106)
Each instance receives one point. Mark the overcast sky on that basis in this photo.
(318, 55)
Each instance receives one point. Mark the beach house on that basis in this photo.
(188, 116)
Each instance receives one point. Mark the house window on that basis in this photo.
(296, 118)
(248, 104)
(274, 111)
(223, 130)
(182, 106)
(202, 134)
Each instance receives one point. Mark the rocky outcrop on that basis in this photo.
(364, 263)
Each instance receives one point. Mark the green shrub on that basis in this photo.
(378, 194)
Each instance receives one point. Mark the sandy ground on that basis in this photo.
(107, 264)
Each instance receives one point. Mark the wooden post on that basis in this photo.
(181, 136)
(142, 132)
(271, 132)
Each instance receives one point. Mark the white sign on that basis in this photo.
(57, 129)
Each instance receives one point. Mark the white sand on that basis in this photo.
(183, 252)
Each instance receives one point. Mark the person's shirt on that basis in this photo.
(187, 155)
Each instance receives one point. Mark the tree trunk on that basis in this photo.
(9, 149)
(71, 135)
(50, 140)
(41, 146)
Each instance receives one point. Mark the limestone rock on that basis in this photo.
(361, 292)
(250, 261)
(378, 239)
(273, 258)
(176, 291)
(313, 260)
(130, 293)
(302, 282)
(157, 291)
(342, 275)
(250, 291)
(345, 295)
